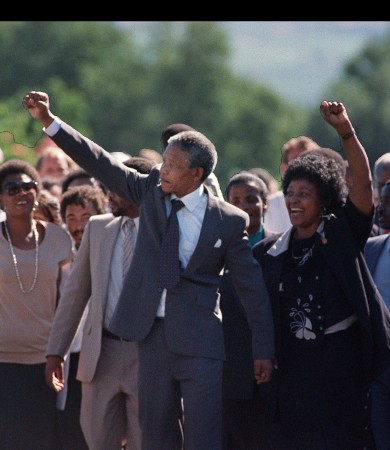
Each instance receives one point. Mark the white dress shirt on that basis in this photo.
(190, 219)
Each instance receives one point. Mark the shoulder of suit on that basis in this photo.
(103, 218)
(375, 239)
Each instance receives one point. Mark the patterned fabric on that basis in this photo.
(169, 260)
(128, 244)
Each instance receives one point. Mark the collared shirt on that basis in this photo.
(381, 273)
(190, 220)
(115, 281)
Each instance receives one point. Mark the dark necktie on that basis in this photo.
(169, 260)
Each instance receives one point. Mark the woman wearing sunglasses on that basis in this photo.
(31, 255)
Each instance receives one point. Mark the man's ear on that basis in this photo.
(198, 174)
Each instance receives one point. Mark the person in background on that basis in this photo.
(121, 156)
(107, 365)
(77, 206)
(377, 255)
(32, 254)
(177, 321)
(381, 172)
(269, 180)
(79, 177)
(53, 187)
(54, 164)
(48, 208)
(151, 154)
(332, 330)
(277, 218)
(249, 193)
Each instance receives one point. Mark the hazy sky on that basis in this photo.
(296, 59)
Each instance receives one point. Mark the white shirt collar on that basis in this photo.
(192, 199)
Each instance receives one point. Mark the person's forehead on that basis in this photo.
(80, 209)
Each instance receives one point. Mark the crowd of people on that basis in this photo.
(260, 323)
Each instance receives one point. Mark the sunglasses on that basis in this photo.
(13, 187)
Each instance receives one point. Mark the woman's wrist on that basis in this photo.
(347, 135)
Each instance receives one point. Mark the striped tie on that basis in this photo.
(130, 234)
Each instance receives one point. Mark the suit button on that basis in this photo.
(160, 289)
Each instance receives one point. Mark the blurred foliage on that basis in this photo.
(122, 92)
(364, 88)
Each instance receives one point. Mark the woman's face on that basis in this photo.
(247, 197)
(18, 194)
(304, 205)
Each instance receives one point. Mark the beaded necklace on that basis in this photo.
(15, 261)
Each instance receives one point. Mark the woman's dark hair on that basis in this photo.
(324, 172)
(18, 166)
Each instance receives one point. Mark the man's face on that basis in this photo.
(76, 219)
(382, 176)
(176, 175)
(54, 167)
(247, 197)
(383, 208)
(121, 207)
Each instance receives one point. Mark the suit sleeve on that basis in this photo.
(73, 300)
(249, 283)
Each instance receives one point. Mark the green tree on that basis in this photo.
(122, 93)
(364, 88)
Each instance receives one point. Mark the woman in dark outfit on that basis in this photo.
(332, 329)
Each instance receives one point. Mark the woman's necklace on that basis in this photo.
(303, 254)
(305, 250)
(15, 261)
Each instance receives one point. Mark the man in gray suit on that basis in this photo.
(107, 365)
(179, 330)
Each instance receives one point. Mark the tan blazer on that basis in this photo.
(88, 281)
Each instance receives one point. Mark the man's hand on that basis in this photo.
(38, 105)
(263, 370)
(54, 372)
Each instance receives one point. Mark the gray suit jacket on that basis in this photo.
(192, 315)
(87, 281)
